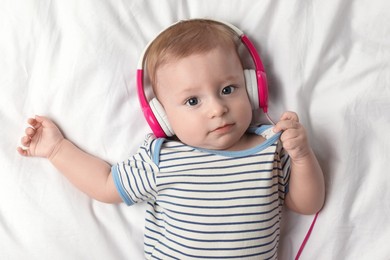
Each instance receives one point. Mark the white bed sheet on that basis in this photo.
(75, 62)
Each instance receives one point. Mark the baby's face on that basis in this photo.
(205, 99)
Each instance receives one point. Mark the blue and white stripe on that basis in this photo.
(204, 204)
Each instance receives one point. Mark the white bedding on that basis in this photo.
(75, 62)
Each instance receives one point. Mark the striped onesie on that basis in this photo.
(207, 204)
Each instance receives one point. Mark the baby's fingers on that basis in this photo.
(289, 120)
(30, 132)
(289, 116)
(34, 122)
(285, 125)
(25, 141)
(22, 151)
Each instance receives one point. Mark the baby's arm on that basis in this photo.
(88, 173)
(306, 187)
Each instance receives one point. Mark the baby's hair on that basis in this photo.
(185, 38)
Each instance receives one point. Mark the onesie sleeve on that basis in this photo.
(135, 177)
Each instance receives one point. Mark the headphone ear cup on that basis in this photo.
(161, 116)
(252, 88)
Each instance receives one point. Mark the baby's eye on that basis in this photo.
(192, 101)
(228, 90)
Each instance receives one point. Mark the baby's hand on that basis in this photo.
(293, 137)
(41, 139)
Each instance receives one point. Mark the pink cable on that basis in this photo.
(306, 237)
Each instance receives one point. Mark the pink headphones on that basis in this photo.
(256, 85)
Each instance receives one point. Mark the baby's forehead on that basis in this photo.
(218, 61)
(168, 68)
(172, 57)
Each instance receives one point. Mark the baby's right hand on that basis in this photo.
(41, 139)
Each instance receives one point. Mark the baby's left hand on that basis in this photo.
(293, 138)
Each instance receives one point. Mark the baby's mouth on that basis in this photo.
(223, 129)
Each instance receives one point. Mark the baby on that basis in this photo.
(215, 189)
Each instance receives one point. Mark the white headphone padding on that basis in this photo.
(161, 116)
(251, 87)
